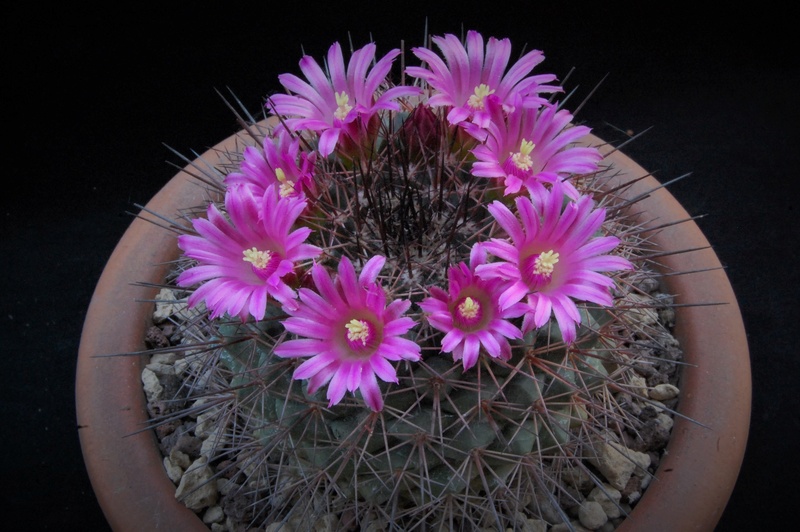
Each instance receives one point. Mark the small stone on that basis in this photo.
(167, 305)
(530, 525)
(152, 388)
(180, 459)
(664, 392)
(648, 284)
(214, 514)
(155, 338)
(163, 430)
(616, 462)
(207, 423)
(591, 515)
(643, 315)
(638, 385)
(608, 497)
(197, 489)
(226, 486)
(632, 490)
(213, 441)
(164, 358)
(326, 523)
(667, 316)
(577, 478)
(174, 471)
(542, 505)
(161, 369)
(189, 444)
(279, 527)
(665, 421)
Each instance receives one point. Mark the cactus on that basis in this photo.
(499, 423)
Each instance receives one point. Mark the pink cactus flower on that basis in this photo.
(470, 315)
(551, 257)
(532, 148)
(341, 101)
(349, 332)
(469, 74)
(279, 162)
(247, 258)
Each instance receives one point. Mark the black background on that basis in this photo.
(93, 95)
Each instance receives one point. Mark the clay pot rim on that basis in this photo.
(704, 453)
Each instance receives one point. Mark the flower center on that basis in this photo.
(545, 263)
(469, 308)
(471, 313)
(263, 262)
(481, 92)
(259, 259)
(522, 159)
(287, 186)
(358, 331)
(537, 270)
(343, 103)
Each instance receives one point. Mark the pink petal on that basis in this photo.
(452, 339)
(328, 140)
(336, 387)
(352, 372)
(396, 308)
(307, 327)
(371, 392)
(371, 270)
(542, 309)
(565, 323)
(471, 351)
(321, 377)
(489, 343)
(383, 369)
(326, 287)
(395, 348)
(298, 348)
(506, 328)
(314, 364)
(512, 294)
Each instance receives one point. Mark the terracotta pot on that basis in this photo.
(692, 485)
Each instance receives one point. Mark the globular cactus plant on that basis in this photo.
(417, 306)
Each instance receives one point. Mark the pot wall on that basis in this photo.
(697, 474)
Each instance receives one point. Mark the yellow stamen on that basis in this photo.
(523, 157)
(357, 330)
(259, 259)
(343, 101)
(469, 308)
(476, 100)
(287, 186)
(545, 263)
(287, 189)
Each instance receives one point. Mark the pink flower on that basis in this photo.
(531, 147)
(341, 100)
(552, 257)
(245, 260)
(470, 315)
(279, 162)
(349, 332)
(468, 76)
